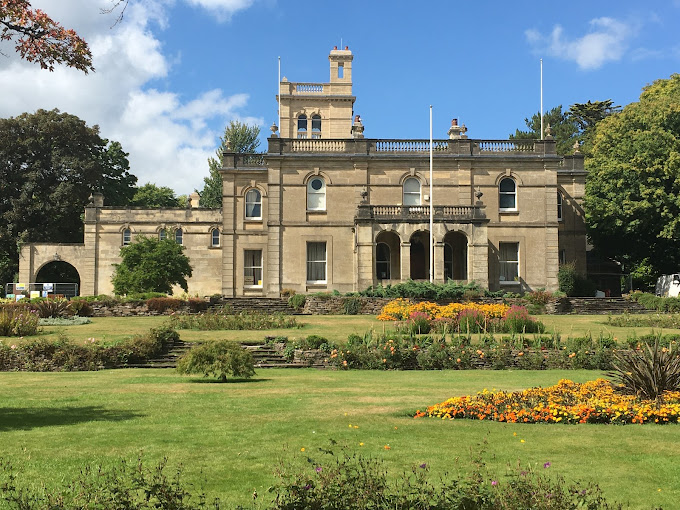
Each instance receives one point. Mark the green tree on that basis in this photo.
(152, 196)
(50, 163)
(587, 115)
(40, 39)
(151, 265)
(242, 139)
(563, 129)
(632, 198)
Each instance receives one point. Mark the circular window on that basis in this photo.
(316, 184)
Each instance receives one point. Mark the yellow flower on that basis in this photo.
(302, 449)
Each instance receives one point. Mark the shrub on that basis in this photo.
(65, 321)
(53, 307)
(647, 372)
(338, 478)
(351, 305)
(162, 304)
(218, 320)
(517, 320)
(197, 305)
(218, 359)
(18, 321)
(286, 293)
(297, 301)
(418, 323)
(572, 283)
(125, 486)
(81, 308)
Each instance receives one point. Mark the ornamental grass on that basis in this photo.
(566, 402)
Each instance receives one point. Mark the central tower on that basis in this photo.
(320, 110)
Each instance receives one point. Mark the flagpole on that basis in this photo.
(431, 208)
(278, 94)
(541, 99)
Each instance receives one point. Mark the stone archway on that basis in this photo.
(455, 256)
(387, 256)
(60, 272)
(420, 255)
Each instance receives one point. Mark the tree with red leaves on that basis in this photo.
(40, 39)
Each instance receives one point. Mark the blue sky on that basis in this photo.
(173, 73)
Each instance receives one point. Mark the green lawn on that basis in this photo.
(334, 327)
(53, 423)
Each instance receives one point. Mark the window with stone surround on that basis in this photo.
(507, 194)
(509, 261)
(316, 126)
(252, 268)
(316, 262)
(127, 237)
(316, 194)
(411, 191)
(162, 234)
(302, 126)
(559, 206)
(215, 238)
(253, 204)
(179, 236)
(382, 261)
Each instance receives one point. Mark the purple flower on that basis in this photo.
(494, 482)
(583, 492)
(546, 465)
(319, 469)
(523, 473)
(423, 466)
(307, 487)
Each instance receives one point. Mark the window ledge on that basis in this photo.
(253, 220)
(508, 211)
(212, 247)
(316, 211)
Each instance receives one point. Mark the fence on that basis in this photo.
(31, 290)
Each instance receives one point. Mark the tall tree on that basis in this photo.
(563, 128)
(632, 199)
(153, 196)
(587, 115)
(50, 163)
(242, 139)
(40, 39)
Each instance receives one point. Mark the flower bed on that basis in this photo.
(566, 402)
(460, 317)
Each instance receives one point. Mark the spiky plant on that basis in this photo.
(647, 372)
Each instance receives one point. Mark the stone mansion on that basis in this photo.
(327, 209)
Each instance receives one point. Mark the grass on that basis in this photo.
(334, 327)
(52, 424)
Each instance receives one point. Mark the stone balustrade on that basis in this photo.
(419, 213)
(456, 147)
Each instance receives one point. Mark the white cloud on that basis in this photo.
(222, 8)
(167, 134)
(607, 40)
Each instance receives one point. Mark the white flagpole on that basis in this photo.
(431, 208)
(278, 93)
(541, 99)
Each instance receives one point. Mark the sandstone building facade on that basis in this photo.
(326, 208)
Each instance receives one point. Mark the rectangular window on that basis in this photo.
(316, 262)
(252, 268)
(563, 257)
(509, 259)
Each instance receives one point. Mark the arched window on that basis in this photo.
(214, 238)
(382, 261)
(411, 191)
(162, 234)
(507, 194)
(179, 236)
(559, 206)
(253, 204)
(127, 237)
(316, 126)
(316, 194)
(302, 126)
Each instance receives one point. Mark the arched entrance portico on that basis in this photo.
(455, 256)
(60, 272)
(387, 256)
(420, 255)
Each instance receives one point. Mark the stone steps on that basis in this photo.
(166, 359)
(598, 306)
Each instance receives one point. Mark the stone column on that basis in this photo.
(405, 261)
(439, 261)
(274, 246)
(365, 250)
(478, 256)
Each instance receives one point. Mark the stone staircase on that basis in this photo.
(166, 359)
(266, 356)
(598, 306)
